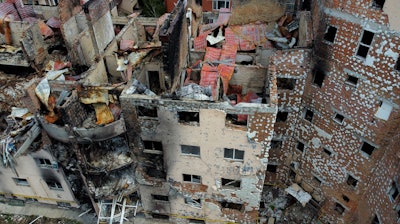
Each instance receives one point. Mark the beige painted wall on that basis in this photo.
(392, 9)
(28, 168)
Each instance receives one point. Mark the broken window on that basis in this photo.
(281, 116)
(308, 115)
(317, 180)
(21, 181)
(192, 178)
(352, 181)
(220, 4)
(160, 197)
(237, 119)
(327, 151)
(190, 150)
(63, 204)
(44, 163)
(54, 185)
(152, 147)
(146, 112)
(300, 146)
(193, 202)
(231, 205)
(378, 4)
(375, 220)
(339, 208)
(286, 83)
(397, 66)
(276, 144)
(188, 117)
(365, 44)
(338, 118)
(345, 198)
(159, 216)
(230, 183)
(318, 77)
(330, 34)
(393, 192)
(352, 80)
(235, 154)
(367, 148)
(272, 168)
(196, 221)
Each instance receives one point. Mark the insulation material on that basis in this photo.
(94, 95)
(103, 113)
(256, 11)
(209, 77)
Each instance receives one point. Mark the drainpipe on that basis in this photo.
(90, 25)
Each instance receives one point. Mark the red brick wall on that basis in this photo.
(170, 5)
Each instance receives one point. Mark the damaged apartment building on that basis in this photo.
(219, 111)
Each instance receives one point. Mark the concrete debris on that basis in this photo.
(296, 191)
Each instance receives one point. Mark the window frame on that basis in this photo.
(234, 153)
(360, 43)
(21, 181)
(215, 4)
(190, 154)
(54, 185)
(191, 178)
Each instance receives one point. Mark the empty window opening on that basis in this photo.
(375, 220)
(44, 163)
(159, 216)
(21, 181)
(146, 112)
(276, 144)
(352, 181)
(300, 146)
(237, 119)
(188, 117)
(193, 202)
(330, 34)
(286, 83)
(192, 178)
(153, 147)
(397, 66)
(339, 208)
(154, 81)
(317, 180)
(393, 192)
(54, 185)
(339, 118)
(308, 115)
(220, 4)
(272, 168)
(231, 205)
(235, 154)
(352, 80)
(160, 197)
(378, 4)
(230, 183)
(367, 148)
(365, 44)
(190, 150)
(327, 152)
(196, 221)
(318, 77)
(306, 5)
(345, 198)
(292, 175)
(281, 116)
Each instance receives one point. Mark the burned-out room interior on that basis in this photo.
(201, 111)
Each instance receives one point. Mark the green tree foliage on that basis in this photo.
(152, 8)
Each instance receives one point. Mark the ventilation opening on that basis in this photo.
(326, 151)
(159, 216)
(345, 198)
(352, 181)
(146, 112)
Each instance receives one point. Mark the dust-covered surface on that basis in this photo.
(254, 11)
(21, 219)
